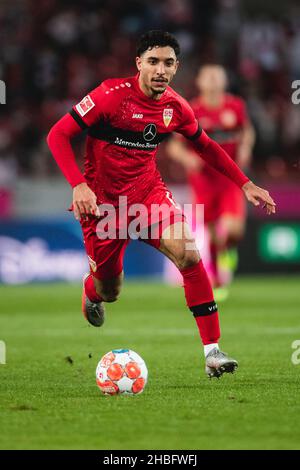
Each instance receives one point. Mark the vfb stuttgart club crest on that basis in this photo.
(167, 116)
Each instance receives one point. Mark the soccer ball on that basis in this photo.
(121, 371)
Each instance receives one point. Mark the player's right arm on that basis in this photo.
(59, 141)
(83, 115)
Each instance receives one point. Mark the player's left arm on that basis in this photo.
(216, 157)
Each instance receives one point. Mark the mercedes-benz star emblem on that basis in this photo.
(149, 132)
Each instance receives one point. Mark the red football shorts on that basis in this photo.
(219, 195)
(106, 254)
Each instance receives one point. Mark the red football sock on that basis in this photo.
(200, 300)
(90, 290)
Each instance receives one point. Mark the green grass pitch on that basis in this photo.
(47, 402)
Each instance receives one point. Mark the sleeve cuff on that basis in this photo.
(244, 181)
(196, 135)
(79, 180)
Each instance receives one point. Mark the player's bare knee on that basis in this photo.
(189, 258)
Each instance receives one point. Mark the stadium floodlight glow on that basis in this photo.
(2, 92)
(280, 242)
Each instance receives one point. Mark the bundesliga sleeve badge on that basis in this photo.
(85, 105)
(167, 116)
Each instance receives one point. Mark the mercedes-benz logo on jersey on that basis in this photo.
(149, 132)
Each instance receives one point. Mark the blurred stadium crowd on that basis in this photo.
(53, 51)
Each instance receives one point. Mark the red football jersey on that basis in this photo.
(224, 123)
(125, 128)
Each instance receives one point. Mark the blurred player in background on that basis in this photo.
(224, 117)
(126, 119)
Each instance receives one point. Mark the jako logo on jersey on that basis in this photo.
(137, 116)
(149, 132)
(167, 116)
(85, 105)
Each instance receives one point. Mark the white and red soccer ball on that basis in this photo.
(121, 371)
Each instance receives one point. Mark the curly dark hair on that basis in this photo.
(157, 38)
